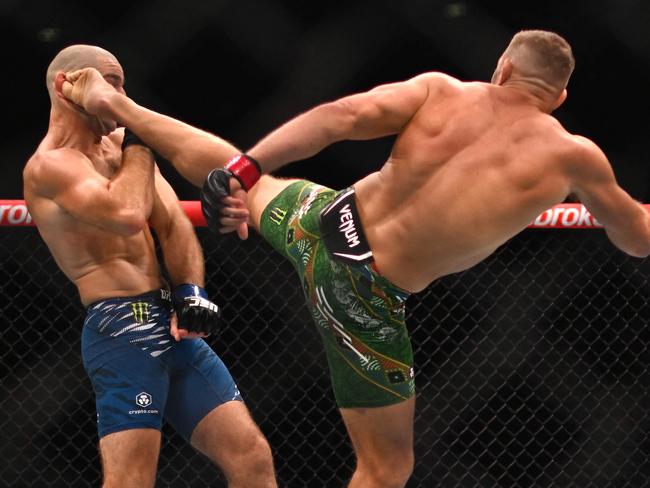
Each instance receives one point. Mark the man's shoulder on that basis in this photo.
(438, 78)
(44, 161)
(47, 168)
(582, 146)
(580, 154)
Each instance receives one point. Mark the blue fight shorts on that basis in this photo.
(140, 374)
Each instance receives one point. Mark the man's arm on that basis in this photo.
(382, 111)
(121, 204)
(193, 152)
(626, 221)
(196, 315)
(180, 247)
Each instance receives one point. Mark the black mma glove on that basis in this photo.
(217, 186)
(195, 312)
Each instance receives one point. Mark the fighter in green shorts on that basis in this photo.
(358, 313)
(471, 165)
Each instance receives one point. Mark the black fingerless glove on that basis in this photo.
(131, 138)
(195, 312)
(215, 188)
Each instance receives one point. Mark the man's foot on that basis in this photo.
(88, 89)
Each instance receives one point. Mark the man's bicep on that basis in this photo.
(74, 186)
(386, 109)
(610, 204)
(597, 189)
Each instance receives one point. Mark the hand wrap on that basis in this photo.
(245, 169)
(131, 138)
(194, 311)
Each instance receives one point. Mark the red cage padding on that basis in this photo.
(565, 216)
(14, 213)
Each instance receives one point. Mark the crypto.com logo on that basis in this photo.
(143, 399)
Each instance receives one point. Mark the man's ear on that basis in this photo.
(59, 79)
(505, 72)
(560, 99)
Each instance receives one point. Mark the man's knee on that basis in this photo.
(252, 467)
(388, 471)
(258, 458)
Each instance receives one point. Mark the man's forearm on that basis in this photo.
(193, 152)
(182, 252)
(131, 189)
(301, 137)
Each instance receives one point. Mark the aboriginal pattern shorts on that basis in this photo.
(358, 313)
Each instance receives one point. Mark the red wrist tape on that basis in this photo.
(245, 169)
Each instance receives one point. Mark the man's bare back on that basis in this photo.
(472, 165)
(472, 168)
(103, 261)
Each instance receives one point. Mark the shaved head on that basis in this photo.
(73, 58)
(543, 57)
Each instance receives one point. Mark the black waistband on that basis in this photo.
(342, 231)
(153, 296)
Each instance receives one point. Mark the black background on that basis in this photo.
(533, 367)
(240, 68)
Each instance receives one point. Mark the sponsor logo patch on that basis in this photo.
(277, 215)
(140, 312)
(143, 400)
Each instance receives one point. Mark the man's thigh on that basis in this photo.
(199, 383)
(129, 458)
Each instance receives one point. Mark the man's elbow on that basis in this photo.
(638, 248)
(129, 222)
(642, 250)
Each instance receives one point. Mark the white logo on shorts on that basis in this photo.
(143, 399)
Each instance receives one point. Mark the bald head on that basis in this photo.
(542, 57)
(73, 58)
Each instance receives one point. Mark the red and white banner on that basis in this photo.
(14, 212)
(564, 216)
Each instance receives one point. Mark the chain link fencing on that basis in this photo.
(531, 370)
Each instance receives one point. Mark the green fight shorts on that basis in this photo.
(358, 313)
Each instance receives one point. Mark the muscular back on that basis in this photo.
(95, 249)
(472, 168)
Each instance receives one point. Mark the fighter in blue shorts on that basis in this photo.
(140, 374)
(93, 192)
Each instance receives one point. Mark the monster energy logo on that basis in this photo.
(277, 215)
(140, 312)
